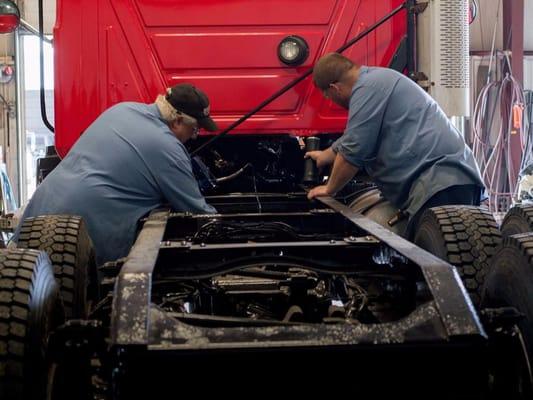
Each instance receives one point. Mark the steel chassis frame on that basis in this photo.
(450, 312)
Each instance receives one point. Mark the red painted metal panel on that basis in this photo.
(107, 51)
(76, 72)
(228, 50)
(236, 90)
(235, 12)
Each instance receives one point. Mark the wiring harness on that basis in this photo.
(214, 231)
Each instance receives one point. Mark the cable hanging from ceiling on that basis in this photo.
(498, 115)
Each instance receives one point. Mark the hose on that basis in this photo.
(41, 68)
(234, 175)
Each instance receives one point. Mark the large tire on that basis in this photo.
(519, 219)
(465, 236)
(509, 283)
(30, 308)
(65, 239)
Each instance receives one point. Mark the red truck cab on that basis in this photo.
(131, 50)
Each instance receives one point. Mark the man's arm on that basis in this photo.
(342, 173)
(178, 184)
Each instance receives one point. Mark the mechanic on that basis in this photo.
(130, 161)
(399, 135)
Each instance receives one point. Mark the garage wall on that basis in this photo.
(482, 28)
(8, 142)
(528, 72)
(31, 14)
(481, 32)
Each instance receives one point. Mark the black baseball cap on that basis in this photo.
(190, 100)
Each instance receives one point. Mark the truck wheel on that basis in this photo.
(519, 219)
(465, 236)
(29, 308)
(65, 239)
(509, 283)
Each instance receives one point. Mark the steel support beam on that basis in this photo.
(32, 30)
(513, 39)
(21, 121)
(513, 35)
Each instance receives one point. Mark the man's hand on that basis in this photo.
(341, 174)
(322, 158)
(319, 191)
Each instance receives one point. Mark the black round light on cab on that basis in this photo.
(293, 50)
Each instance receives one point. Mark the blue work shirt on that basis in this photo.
(403, 140)
(125, 164)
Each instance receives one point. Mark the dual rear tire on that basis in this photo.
(49, 277)
(30, 308)
(509, 283)
(519, 219)
(496, 273)
(466, 237)
(66, 241)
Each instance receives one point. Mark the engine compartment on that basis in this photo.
(273, 164)
(279, 267)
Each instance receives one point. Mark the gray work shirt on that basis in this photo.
(404, 141)
(126, 164)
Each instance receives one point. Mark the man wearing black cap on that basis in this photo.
(131, 160)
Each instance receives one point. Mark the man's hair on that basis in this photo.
(331, 68)
(170, 114)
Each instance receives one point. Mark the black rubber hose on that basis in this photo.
(41, 68)
(234, 175)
